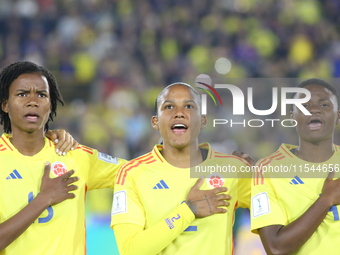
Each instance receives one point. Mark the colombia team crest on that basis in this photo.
(215, 181)
(58, 169)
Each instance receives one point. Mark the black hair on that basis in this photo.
(173, 84)
(11, 72)
(321, 83)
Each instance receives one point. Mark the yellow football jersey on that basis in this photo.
(148, 188)
(61, 228)
(281, 200)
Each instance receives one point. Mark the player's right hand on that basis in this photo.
(204, 203)
(56, 190)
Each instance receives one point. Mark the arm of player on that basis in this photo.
(64, 141)
(279, 239)
(132, 238)
(52, 191)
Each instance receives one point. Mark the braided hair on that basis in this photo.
(11, 72)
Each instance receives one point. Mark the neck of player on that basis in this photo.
(28, 143)
(315, 152)
(185, 157)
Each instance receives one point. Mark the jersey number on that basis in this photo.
(49, 210)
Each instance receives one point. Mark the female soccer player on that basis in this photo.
(157, 208)
(42, 211)
(296, 215)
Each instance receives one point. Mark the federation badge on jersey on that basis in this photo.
(260, 204)
(215, 181)
(107, 158)
(119, 202)
(58, 169)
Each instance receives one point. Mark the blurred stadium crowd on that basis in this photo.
(112, 57)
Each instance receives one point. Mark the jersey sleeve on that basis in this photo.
(265, 206)
(134, 239)
(127, 206)
(244, 192)
(99, 169)
(128, 221)
(243, 183)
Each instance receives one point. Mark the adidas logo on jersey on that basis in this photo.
(296, 181)
(161, 185)
(14, 175)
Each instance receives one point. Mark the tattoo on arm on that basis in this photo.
(208, 202)
(192, 204)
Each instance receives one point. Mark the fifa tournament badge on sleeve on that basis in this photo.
(260, 204)
(119, 202)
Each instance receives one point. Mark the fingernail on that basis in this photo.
(64, 153)
(56, 140)
(59, 153)
(72, 149)
(78, 178)
(202, 176)
(77, 186)
(57, 150)
(47, 163)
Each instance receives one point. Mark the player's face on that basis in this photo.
(28, 104)
(179, 120)
(325, 115)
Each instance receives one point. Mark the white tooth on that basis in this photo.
(179, 125)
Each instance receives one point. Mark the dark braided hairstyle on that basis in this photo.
(11, 72)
